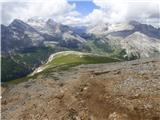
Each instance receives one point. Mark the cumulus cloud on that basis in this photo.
(56, 9)
(108, 11)
(126, 10)
(117, 11)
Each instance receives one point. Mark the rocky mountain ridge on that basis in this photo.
(121, 91)
(39, 32)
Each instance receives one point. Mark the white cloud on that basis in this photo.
(96, 17)
(110, 11)
(113, 11)
(56, 9)
(125, 10)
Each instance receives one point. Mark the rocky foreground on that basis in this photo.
(113, 91)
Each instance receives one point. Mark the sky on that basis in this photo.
(82, 12)
(84, 7)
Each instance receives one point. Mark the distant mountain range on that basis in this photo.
(36, 32)
(26, 45)
(136, 39)
(20, 35)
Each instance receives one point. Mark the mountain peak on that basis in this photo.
(51, 22)
(17, 21)
(35, 20)
(138, 34)
(133, 22)
(19, 24)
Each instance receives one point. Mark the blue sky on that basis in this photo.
(84, 7)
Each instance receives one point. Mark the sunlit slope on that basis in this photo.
(66, 59)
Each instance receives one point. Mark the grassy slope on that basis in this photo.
(25, 61)
(64, 62)
(22, 63)
(101, 48)
(98, 47)
(67, 61)
(80, 59)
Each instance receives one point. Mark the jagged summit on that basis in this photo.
(19, 24)
(133, 22)
(51, 22)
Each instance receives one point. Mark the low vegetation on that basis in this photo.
(62, 62)
(65, 61)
